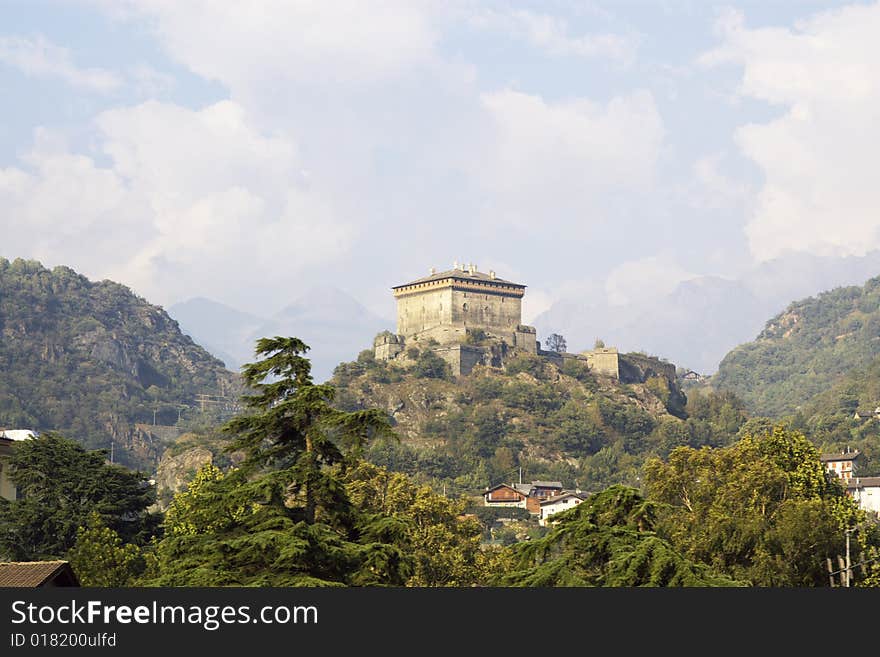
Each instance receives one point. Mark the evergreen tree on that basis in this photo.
(60, 485)
(283, 518)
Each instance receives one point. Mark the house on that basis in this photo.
(505, 495)
(865, 491)
(7, 488)
(524, 496)
(866, 414)
(7, 438)
(841, 465)
(33, 574)
(562, 502)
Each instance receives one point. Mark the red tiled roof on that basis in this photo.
(34, 573)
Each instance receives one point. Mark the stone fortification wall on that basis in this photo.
(605, 361)
(462, 358)
(424, 310)
(487, 309)
(636, 368)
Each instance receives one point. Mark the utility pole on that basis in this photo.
(848, 562)
(520, 474)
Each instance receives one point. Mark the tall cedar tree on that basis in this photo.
(294, 434)
(283, 518)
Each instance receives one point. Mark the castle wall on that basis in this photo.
(604, 361)
(525, 339)
(424, 310)
(492, 312)
(641, 367)
(461, 358)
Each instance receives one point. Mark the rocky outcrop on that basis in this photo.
(175, 471)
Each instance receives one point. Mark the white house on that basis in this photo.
(7, 438)
(842, 465)
(558, 503)
(866, 492)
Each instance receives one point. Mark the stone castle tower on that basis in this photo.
(452, 310)
(470, 318)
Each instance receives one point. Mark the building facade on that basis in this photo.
(465, 316)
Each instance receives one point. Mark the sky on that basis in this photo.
(248, 151)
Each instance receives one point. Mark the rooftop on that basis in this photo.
(557, 498)
(36, 573)
(842, 456)
(863, 482)
(461, 273)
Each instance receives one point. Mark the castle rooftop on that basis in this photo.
(456, 274)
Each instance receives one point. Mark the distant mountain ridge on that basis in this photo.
(96, 362)
(805, 350)
(334, 325)
(703, 318)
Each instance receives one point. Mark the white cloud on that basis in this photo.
(197, 202)
(641, 282)
(268, 42)
(712, 189)
(818, 156)
(551, 34)
(39, 57)
(559, 161)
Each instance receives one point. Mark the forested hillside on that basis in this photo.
(805, 350)
(92, 359)
(566, 424)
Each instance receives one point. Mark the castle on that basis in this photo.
(471, 318)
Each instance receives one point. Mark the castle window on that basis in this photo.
(464, 307)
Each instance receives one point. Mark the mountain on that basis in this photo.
(220, 329)
(96, 362)
(331, 322)
(805, 350)
(703, 318)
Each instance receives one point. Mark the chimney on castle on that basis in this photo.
(455, 265)
(492, 274)
(432, 271)
(472, 268)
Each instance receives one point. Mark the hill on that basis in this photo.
(805, 350)
(96, 362)
(559, 423)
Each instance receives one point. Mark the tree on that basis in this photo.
(444, 546)
(760, 510)
(283, 517)
(61, 485)
(100, 558)
(607, 540)
(555, 342)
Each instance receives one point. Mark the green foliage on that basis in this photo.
(803, 351)
(429, 365)
(204, 507)
(760, 510)
(607, 540)
(527, 363)
(91, 359)
(442, 544)
(60, 486)
(284, 516)
(578, 369)
(100, 558)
